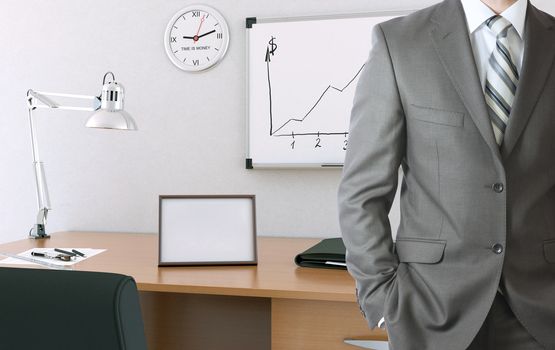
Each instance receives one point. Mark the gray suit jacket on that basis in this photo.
(473, 215)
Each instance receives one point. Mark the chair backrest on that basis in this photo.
(51, 309)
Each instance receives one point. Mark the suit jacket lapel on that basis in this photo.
(452, 43)
(539, 53)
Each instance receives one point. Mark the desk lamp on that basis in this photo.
(108, 114)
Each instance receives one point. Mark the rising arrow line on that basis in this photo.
(269, 88)
(272, 132)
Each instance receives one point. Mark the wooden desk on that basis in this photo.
(274, 305)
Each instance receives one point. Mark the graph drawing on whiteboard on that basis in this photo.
(302, 75)
(278, 131)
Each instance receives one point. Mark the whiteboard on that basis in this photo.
(302, 75)
(207, 230)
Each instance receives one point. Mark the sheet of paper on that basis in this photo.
(89, 252)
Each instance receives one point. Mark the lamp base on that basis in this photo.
(38, 232)
(39, 237)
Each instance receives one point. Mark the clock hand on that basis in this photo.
(198, 31)
(205, 34)
(196, 37)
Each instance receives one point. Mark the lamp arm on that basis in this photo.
(43, 200)
(41, 99)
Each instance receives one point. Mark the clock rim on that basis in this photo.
(225, 30)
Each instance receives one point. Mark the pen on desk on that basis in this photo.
(64, 252)
(43, 255)
(62, 257)
(78, 253)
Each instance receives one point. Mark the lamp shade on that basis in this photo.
(105, 119)
(111, 114)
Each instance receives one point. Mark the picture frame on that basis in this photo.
(207, 230)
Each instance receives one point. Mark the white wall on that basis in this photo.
(192, 126)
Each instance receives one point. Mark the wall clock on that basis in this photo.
(196, 38)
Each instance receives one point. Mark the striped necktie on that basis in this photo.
(501, 78)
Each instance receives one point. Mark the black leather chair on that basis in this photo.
(51, 309)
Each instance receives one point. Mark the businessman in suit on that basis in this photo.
(461, 96)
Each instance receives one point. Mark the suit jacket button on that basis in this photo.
(498, 187)
(497, 248)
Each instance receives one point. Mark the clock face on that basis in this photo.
(196, 38)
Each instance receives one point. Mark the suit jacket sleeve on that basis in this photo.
(377, 141)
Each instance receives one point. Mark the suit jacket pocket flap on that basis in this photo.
(420, 251)
(549, 251)
(436, 116)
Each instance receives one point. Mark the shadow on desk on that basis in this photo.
(197, 321)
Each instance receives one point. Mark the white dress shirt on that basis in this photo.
(483, 39)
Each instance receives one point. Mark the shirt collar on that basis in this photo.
(477, 13)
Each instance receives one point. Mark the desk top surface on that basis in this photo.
(275, 276)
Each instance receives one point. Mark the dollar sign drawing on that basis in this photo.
(271, 51)
(273, 46)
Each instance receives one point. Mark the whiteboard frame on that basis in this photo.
(249, 163)
(184, 260)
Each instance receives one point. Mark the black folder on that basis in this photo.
(327, 254)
